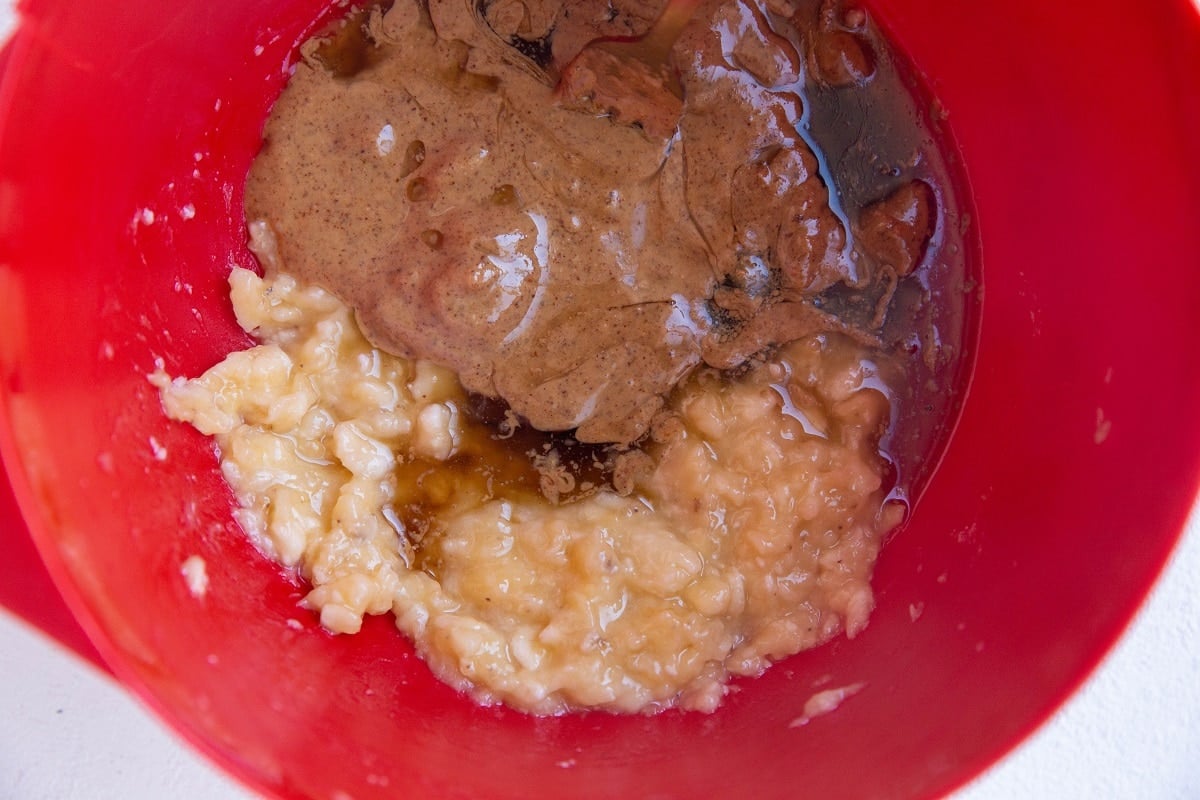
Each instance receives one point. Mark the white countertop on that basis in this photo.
(69, 732)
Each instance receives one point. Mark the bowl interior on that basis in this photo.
(129, 130)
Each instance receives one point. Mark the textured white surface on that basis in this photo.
(70, 733)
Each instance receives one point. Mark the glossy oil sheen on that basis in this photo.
(1058, 498)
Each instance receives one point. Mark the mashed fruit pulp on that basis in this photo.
(751, 537)
(719, 320)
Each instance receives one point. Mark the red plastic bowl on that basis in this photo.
(1059, 498)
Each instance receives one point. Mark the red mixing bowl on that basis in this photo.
(128, 130)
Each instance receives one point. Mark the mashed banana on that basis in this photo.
(749, 534)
